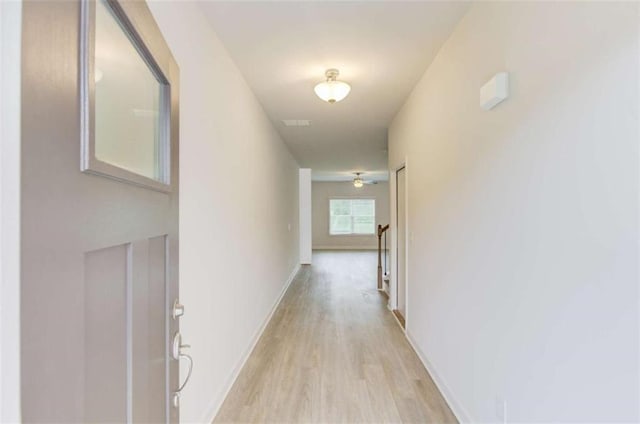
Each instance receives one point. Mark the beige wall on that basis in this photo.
(238, 209)
(523, 221)
(323, 191)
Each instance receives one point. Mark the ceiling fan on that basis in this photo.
(359, 182)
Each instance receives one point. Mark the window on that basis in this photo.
(125, 98)
(352, 216)
(128, 97)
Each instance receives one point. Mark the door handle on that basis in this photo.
(178, 355)
(186, 380)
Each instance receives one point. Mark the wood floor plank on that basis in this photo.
(333, 353)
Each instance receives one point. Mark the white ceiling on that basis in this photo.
(381, 48)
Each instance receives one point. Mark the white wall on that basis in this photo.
(323, 191)
(238, 195)
(10, 39)
(304, 198)
(523, 264)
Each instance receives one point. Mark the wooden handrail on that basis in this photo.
(381, 231)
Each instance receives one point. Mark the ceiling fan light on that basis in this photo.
(357, 183)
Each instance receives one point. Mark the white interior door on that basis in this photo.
(99, 209)
(401, 227)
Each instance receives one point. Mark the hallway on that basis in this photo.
(334, 353)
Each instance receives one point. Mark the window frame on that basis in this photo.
(352, 234)
(89, 163)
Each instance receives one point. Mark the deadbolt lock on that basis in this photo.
(178, 309)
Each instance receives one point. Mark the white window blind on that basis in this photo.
(352, 216)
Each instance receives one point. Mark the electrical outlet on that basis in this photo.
(501, 411)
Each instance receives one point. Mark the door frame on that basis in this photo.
(393, 298)
(10, 77)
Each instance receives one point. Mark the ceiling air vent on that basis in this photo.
(296, 122)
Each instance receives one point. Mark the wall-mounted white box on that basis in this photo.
(494, 91)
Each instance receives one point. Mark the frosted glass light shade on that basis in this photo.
(332, 91)
(357, 183)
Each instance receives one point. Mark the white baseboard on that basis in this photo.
(345, 248)
(213, 410)
(456, 407)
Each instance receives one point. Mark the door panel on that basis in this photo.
(158, 337)
(99, 256)
(105, 330)
(149, 343)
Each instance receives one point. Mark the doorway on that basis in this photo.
(401, 244)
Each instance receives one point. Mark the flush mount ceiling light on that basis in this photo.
(332, 90)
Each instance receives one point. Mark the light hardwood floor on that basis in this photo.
(333, 353)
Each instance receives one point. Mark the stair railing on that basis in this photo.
(382, 231)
